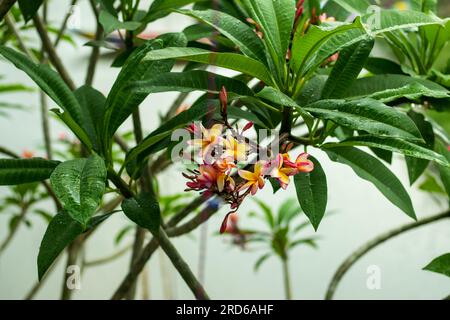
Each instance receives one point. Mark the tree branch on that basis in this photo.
(5, 6)
(359, 253)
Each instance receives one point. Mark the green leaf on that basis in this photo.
(29, 8)
(373, 170)
(394, 145)
(312, 193)
(48, 80)
(196, 80)
(347, 68)
(92, 104)
(61, 231)
(267, 211)
(261, 260)
(367, 114)
(18, 171)
(238, 32)
(276, 19)
(390, 87)
(440, 265)
(144, 211)
(231, 61)
(430, 184)
(382, 66)
(311, 49)
(120, 103)
(443, 171)
(80, 184)
(111, 23)
(386, 20)
(417, 166)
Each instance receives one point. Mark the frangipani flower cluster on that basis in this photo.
(223, 166)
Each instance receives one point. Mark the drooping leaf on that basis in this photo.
(80, 184)
(261, 260)
(440, 265)
(312, 193)
(347, 68)
(144, 211)
(355, 6)
(417, 166)
(29, 8)
(18, 171)
(394, 145)
(366, 114)
(231, 61)
(242, 35)
(61, 231)
(373, 170)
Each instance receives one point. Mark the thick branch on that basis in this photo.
(358, 254)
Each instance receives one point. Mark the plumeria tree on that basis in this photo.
(301, 79)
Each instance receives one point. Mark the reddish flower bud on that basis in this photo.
(224, 224)
(248, 126)
(223, 97)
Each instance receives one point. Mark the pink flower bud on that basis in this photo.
(248, 126)
(223, 97)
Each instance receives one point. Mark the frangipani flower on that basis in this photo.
(209, 138)
(255, 179)
(276, 169)
(302, 164)
(235, 150)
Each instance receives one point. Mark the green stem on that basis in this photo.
(286, 279)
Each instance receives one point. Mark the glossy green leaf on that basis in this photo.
(416, 167)
(61, 231)
(18, 171)
(312, 193)
(29, 8)
(367, 114)
(161, 8)
(196, 80)
(92, 104)
(311, 49)
(382, 66)
(354, 6)
(231, 61)
(120, 103)
(373, 170)
(440, 265)
(276, 19)
(390, 87)
(394, 145)
(80, 184)
(144, 211)
(241, 34)
(347, 68)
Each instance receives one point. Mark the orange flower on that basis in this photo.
(209, 138)
(26, 154)
(280, 172)
(254, 179)
(302, 163)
